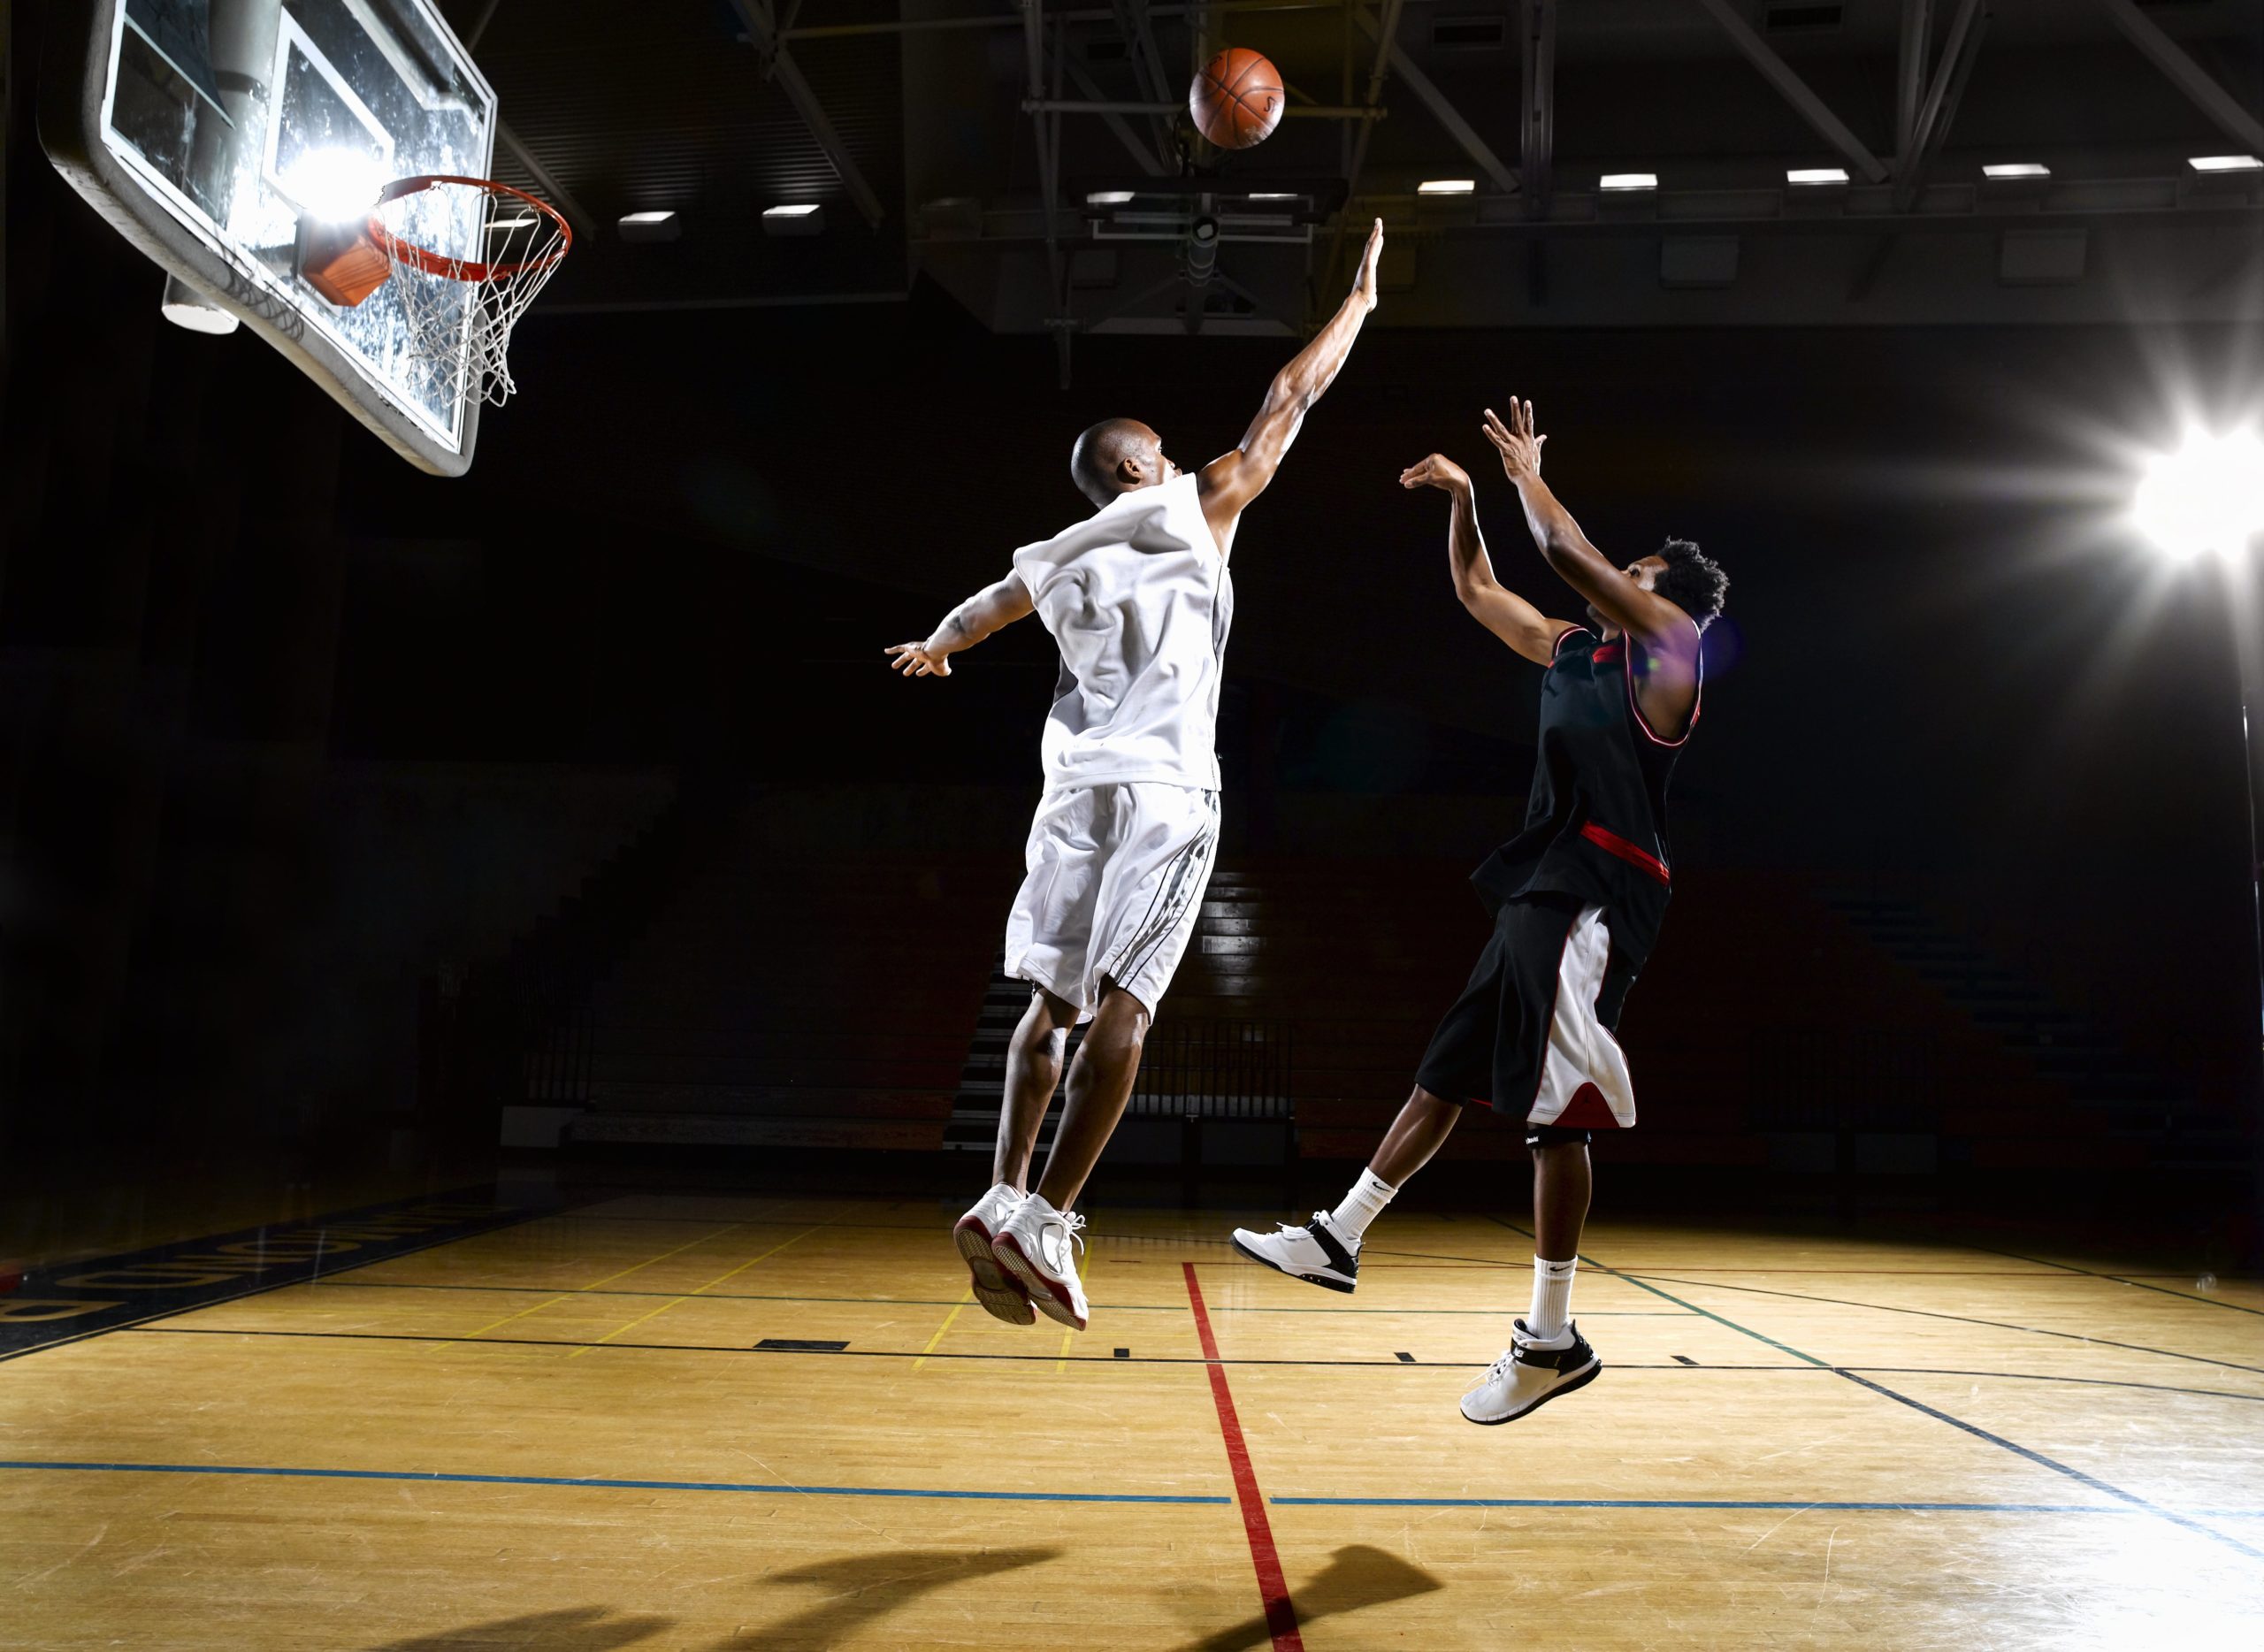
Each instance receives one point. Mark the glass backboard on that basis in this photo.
(216, 133)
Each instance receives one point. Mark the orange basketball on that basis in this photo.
(1237, 99)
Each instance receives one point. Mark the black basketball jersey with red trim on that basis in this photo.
(1596, 819)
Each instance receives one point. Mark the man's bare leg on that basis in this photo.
(1100, 1083)
(1420, 1131)
(1033, 1071)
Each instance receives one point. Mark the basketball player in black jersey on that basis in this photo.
(1577, 898)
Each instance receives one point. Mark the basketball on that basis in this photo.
(1237, 99)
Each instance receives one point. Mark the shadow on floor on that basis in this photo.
(1357, 1575)
(863, 1588)
(574, 1629)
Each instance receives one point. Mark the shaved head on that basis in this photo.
(1113, 457)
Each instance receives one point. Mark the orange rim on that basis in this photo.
(458, 269)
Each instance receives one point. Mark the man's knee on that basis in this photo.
(1046, 1021)
(1120, 1015)
(1540, 1138)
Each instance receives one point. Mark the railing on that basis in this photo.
(559, 1037)
(1216, 1069)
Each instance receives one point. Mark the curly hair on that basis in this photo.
(1693, 581)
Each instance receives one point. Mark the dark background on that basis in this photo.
(298, 741)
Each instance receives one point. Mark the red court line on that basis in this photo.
(1281, 1615)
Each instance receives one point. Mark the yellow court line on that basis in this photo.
(944, 1326)
(608, 1279)
(688, 1295)
(1062, 1363)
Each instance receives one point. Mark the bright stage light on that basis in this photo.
(2225, 163)
(1616, 181)
(1447, 187)
(2207, 496)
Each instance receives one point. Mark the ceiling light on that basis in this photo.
(2226, 163)
(185, 307)
(2017, 169)
(1628, 180)
(1816, 175)
(1271, 194)
(1447, 187)
(649, 226)
(1109, 197)
(794, 218)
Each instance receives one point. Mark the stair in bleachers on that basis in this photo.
(2134, 1102)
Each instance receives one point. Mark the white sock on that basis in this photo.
(1552, 1299)
(1362, 1205)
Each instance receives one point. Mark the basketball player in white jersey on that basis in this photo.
(1138, 597)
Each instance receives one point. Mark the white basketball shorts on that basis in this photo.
(1115, 887)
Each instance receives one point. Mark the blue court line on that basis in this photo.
(615, 1485)
(1705, 1503)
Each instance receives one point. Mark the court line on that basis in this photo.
(1393, 1364)
(1273, 1588)
(2134, 1281)
(688, 1295)
(1935, 1313)
(1708, 1502)
(1975, 1429)
(945, 1326)
(944, 1301)
(617, 1485)
(157, 1314)
(473, 1335)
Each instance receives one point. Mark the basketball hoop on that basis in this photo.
(460, 306)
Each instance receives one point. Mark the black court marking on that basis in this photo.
(794, 1345)
(1405, 1360)
(2134, 1281)
(88, 1298)
(1121, 1353)
(953, 1302)
(1934, 1314)
(1684, 1360)
(1978, 1431)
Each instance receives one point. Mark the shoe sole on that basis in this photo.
(1046, 1296)
(1580, 1381)
(1000, 1294)
(1345, 1286)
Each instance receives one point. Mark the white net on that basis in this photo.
(468, 258)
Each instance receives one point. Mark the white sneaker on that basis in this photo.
(1000, 1292)
(1316, 1252)
(1038, 1246)
(1527, 1376)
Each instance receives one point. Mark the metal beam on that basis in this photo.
(1795, 91)
(1132, 22)
(762, 32)
(2190, 78)
(574, 213)
(1537, 101)
(1119, 106)
(1444, 112)
(1911, 71)
(1942, 99)
(1143, 157)
(479, 23)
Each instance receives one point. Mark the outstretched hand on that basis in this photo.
(917, 658)
(1364, 286)
(1437, 471)
(1519, 447)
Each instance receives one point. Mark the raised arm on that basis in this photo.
(1500, 611)
(1644, 615)
(1230, 481)
(963, 627)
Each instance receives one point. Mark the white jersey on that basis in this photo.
(1138, 598)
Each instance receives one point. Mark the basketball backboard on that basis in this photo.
(215, 134)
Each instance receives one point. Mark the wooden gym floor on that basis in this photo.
(594, 1429)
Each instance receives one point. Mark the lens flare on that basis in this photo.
(2207, 496)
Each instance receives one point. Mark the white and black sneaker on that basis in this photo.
(1000, 1292)
(1527, 1375)
(1316, 1252)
